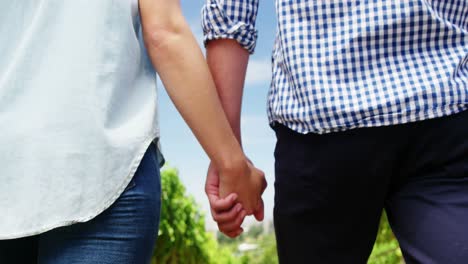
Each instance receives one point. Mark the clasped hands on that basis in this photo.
(235, 194)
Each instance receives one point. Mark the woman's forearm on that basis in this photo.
(180, 63)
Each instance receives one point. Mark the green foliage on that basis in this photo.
(182, 236)
(266, 254)
(255, 231)
(256, 234)
(386, 249)
(183, 239)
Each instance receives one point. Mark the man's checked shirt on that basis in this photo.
(343, 64)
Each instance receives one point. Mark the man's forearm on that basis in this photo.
(228, 65)
(180, 63)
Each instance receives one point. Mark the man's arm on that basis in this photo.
(230, 36)
(179, 61)
(227, 61)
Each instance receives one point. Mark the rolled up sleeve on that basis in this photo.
(231, 19)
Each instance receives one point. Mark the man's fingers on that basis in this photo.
(265, 185)
(228, 216)
(233, 226)
(235, 233)
(260, 212)
(212, 180)
(222, 204)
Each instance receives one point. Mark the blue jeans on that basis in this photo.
(123, 234)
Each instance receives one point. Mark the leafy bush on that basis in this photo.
(182, 237)
(386, 249)
(184, 240)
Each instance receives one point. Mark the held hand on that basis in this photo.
(227, 212)
(248, 183)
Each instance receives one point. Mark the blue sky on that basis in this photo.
(183, 151)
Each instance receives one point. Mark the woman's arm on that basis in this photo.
(180, 63)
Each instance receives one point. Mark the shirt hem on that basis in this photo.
(108, 203)
(434, 113)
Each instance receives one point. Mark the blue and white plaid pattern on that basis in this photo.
(343, 64)
(231, 19)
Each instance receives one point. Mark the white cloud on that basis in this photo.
(258, 72)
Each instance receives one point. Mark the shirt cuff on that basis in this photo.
(219, 26)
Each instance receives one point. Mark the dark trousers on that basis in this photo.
(331, 190)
